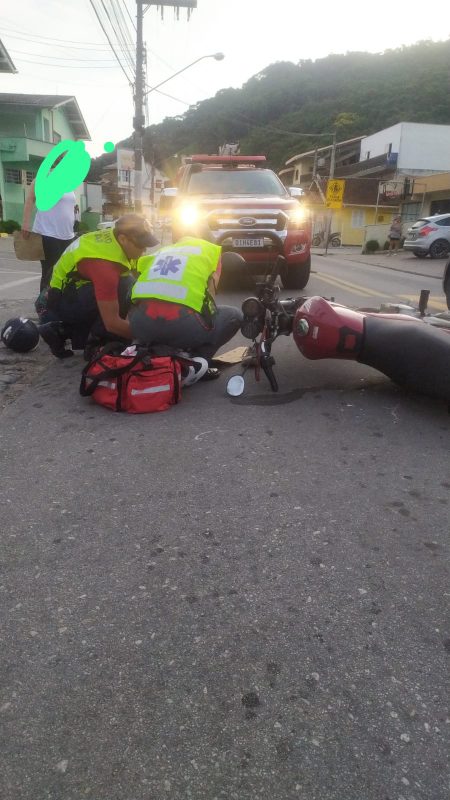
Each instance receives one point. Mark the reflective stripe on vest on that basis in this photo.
(98, 244)
(178, 273)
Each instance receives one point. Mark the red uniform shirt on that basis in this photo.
(105, 276)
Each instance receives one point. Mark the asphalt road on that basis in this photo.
(18, 279)
(234, 599)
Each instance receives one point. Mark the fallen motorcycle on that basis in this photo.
(407, 345)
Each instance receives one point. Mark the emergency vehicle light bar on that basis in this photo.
(204, 159)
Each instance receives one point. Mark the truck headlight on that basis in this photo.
(297, 217)
(189, 215)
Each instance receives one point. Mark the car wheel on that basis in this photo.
(440, 249)
(420, 254)
(296, 276)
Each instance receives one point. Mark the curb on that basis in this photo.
(368, 260)
(399, 269)
(407, 271)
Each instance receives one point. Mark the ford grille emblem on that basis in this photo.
(247, 221)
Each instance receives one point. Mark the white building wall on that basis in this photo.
(420, 146)
(94, 196)
(378, 143)
(424, 147)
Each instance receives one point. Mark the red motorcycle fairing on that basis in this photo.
(332, 331)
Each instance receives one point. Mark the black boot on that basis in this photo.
(92, 346)
(211, 374)
(55, 336)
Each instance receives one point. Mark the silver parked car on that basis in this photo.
(429, 236)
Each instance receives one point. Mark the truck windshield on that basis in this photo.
(239, 181)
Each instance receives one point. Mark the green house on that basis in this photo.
(30, 125)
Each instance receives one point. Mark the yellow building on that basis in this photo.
(430, 195)
(351, 220)
(363, 204)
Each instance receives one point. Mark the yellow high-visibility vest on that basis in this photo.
(178, 273)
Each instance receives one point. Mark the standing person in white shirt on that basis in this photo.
(55, 227)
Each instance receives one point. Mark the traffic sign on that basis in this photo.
(335, 193)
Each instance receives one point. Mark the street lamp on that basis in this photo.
(138, 121)
(216, 56)
(138, 158)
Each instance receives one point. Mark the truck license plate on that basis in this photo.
(248, 242)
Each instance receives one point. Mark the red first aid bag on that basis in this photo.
(138, 384)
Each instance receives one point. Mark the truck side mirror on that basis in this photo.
(295, 191)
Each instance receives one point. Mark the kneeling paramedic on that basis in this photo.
(90, 287)
(173, 300)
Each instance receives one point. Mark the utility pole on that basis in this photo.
(332, 168)
(333, 157)
(139, 118)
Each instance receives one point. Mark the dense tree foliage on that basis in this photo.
(353, 94)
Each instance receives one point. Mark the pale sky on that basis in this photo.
(75, 59)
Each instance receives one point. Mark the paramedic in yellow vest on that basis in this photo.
(173, 300)
(88, 298)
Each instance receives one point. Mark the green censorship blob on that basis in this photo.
(51, 184)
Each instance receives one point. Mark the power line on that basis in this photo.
(69, 66)
(168, 95)
(258, 125)
(61, 58)
(70, 82)
(119, 35)
(130, 36)
(131, 18)
(64, 44)
(111, 44)
(11, 32)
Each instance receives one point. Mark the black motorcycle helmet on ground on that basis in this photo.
(20, 334)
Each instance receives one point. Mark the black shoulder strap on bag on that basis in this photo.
(111, 348)
(87, 389)
(144, 355)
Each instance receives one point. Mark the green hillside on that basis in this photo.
(354, 94)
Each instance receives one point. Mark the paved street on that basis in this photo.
(234, 599)
(19, 280)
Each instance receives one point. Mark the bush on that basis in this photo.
(386, 245)
(9, 225)
(371, 246)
